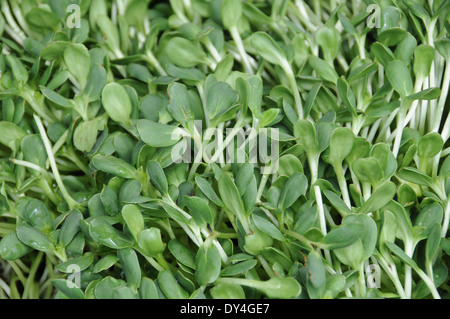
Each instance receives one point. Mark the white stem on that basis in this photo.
(409, 249)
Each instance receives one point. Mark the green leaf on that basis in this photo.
(78, 62)
(85, 135)
(443, 47)
(305, 133)
(341, 144)
(382, 53)
(35, 212)
(220, 97)
(403, 223)
(70, 227)
(18, 69)
(170, 287)
(342, 236)
(429, 215)
(184, 53)
(106, 287)
(231, 13)
(130, 263)
(368, 170)
(392, 36)
(316, 270)
(148, 289)
(329, 40)
(230, 196)
(337, 202)
(386, 158)
(360, 149)
(68, 288)
(96, 83)
(415, 176)
(158, 135)
(117, 103)
(179, 105)
(54, 50)
(34, 238)
(107, 27)
(268, 48)
(133, 219)
(238, 268)
(208, 191)
(347, 96)
(355, 254)
(427, 94)
(109, 200)
(430, 145)
(81, 263)
(114, 166)
(11, 135)
(107, 235)
(227, 291)
(399, 76)
(34, 151)
(347, 24)
(189, 75)
(289, 164)
(105, 263)
(324, 70)
(157, 177)
(295, 186)
(311, 98)
(433, 242)
(183, 254)
(423, 59)
(256, 241)
(267, 227)
(130, 191)
(11, 248)
(200, 211)
(55, 97)
(401, 254)
(207, 264)
(150, 241)
(281, 288)
(381, 197)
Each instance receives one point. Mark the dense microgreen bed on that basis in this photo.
(348, 199)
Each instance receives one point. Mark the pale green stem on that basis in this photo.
(362, 282)
(446, 221)
(212, 49)
(70, 201)
(442, 100)
(155, 63)
(5, 287)
(240, 46)
(19, 16)
(405, 104)
(391, 270)
(429, 282)
(266, 266)
(201, 93)
(42, 111)
(294, 88)
(32, 166)
(11, 22)
(409, 250)
(30, 279)
(154, 263)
